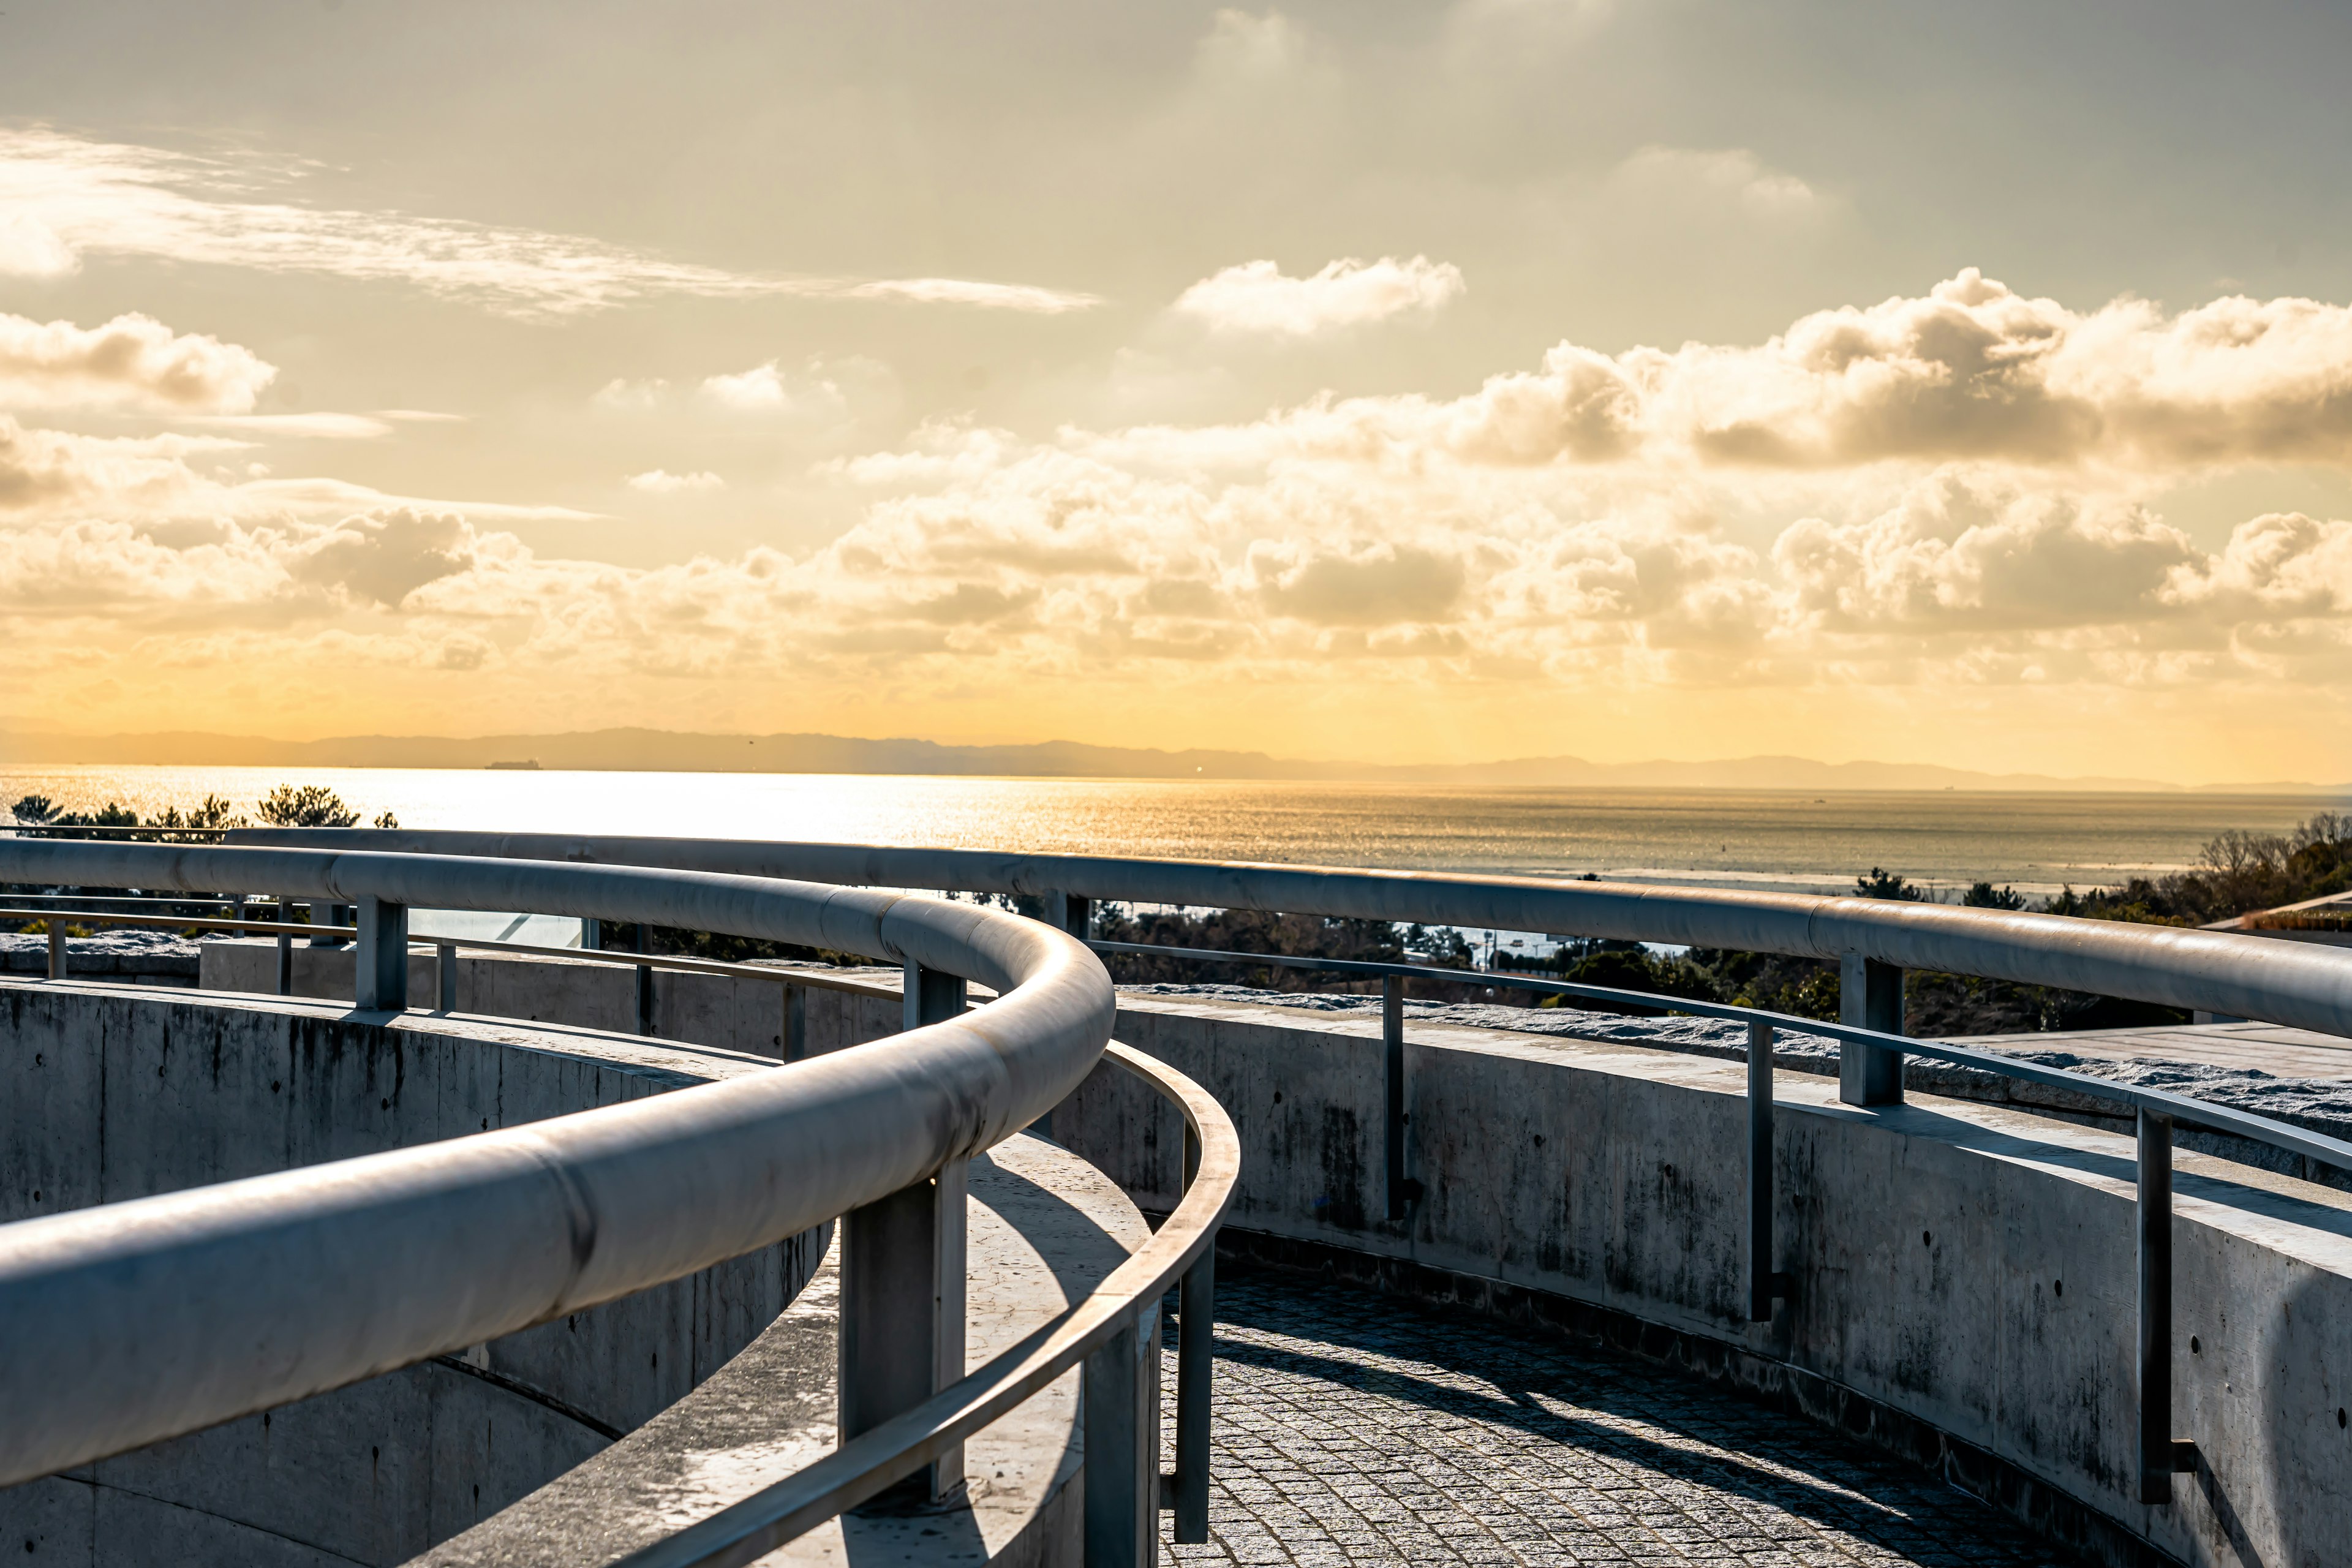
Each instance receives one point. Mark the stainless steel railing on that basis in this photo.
(1873, 941)
(284, 1286)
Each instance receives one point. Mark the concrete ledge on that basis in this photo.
(1045, 1230)
(733, 1013)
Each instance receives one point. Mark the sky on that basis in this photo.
(1402, 383)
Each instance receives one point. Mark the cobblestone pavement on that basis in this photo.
(1352, 1428)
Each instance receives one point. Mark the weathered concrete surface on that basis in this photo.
(730, 1011)
(1970, 1267)
(114, 1093)
(1045, 1230)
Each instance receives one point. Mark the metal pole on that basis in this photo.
(902, 1281)
(1122, 1489)
(1870, 996)
(1392, 1043)
(445, 970)
(1071, 913)
(1196, 1306)
(794, 1039)
(644, 986)
(285, 948)
(1763, 1283)
(322, 913)
(2161, 1456)
(56, 947)
(380, 964)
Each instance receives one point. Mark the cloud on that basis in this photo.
(68, 198)
(1022, 297)
(132, 363)
(1732, 175)
(302, 426)
(661, 481)
(1257, 298)
(1970, 371)
(1371, 584)
(383, 559)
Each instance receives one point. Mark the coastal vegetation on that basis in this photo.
(288, 805)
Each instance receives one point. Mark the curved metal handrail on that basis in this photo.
(2298, 985)
(2202, 1113)
(290, 1284)
(747, 1531)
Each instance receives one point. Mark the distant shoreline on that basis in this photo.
(654, 751)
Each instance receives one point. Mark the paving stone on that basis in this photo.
(1351, 1428)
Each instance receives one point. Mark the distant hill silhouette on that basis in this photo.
(667, 750)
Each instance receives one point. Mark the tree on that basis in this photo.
(1887, 885)
(307, 805)
(1985, 896)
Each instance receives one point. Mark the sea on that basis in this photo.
(1774, 841)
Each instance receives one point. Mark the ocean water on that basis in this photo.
(1761, 839)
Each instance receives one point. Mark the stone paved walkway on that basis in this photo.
(1352, 1428)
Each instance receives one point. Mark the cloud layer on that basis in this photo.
(66, 198)
(1942, 491)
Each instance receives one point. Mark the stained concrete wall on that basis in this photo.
(1971, 1268)
(731, 1012)
(114, 1093)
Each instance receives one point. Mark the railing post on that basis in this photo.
(1196, 1311)
(644, 984)
(1870, 996)
(1764, 1283)
(793, 1040)
(2161, 1456)
(380, 966)
(1075, 913)
(902, 1281)
(1400, 1191)
(322, 913)
(445, 971)
(1122, 1387)
(1071, 913)
(285, 947)
(56, 947)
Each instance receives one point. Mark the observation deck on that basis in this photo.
(908, 1240)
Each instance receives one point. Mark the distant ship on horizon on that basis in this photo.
(530, 766)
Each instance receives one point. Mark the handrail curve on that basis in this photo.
(752, 1527)
(290, 1284)
(2301, 985)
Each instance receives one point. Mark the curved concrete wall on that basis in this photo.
(112, 1093)
(1959, 1265)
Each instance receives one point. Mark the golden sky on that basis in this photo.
(1401, 382)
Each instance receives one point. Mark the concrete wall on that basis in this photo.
(1969, 1268)
(112, 1093)
(1961, 1267)
(731, 1012)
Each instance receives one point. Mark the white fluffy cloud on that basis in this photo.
(1968, 372)
(1258, 298)
(67, 196)
(130, 362)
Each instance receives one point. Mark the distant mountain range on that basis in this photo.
(666, 750)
